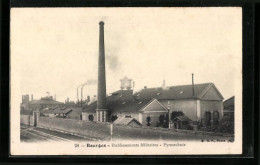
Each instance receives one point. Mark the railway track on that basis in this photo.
(30, 134)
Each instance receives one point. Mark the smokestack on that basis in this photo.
(101, 92)
(192, 85)
(88, 98)
(31, 97)
(55, 97)
(68, 100)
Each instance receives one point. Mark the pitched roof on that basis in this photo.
(173, 92)
(125, 120)
(75, 113)
(63, 110)
(121, 95)
(230, 101)
(119, 106)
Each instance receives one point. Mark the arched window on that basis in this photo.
(161, 119)
(148, 120)
(207, 118)
(90, 117)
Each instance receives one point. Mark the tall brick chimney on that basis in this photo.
(101, 111)
(192, 85)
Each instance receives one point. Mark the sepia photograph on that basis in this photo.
(126, 81)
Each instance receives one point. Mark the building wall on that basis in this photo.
(124, 114)
(154, 118)
(211, 106)
(188, 107)
(212, 94)
(85, 116)
(102, 130)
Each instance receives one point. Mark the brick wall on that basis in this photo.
(102, 130)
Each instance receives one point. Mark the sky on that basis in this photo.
(56, 49)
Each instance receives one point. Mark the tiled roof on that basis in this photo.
(121, 95)
(119, 106)
(125, 101)
(172, 92)
(125, 120)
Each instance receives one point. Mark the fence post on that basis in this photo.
(111, 131)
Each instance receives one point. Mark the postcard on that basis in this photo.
(126, 81)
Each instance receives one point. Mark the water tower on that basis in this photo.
(126, 83)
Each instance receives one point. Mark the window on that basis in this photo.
(103, 116)
(90, 117)
(99, 116)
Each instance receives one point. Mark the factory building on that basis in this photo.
(45, 102)
(151, 106)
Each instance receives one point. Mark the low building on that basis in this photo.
(129, 121)
(56, 112)
(229, 108)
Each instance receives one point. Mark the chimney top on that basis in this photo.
(101, 23)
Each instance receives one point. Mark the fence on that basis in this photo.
(102, 130)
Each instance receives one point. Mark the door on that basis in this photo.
(35, 119)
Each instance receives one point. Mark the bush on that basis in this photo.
(226, 127)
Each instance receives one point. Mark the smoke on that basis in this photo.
(112, 58)
(113, 62)
(90, 82)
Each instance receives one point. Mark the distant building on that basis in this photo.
(45, 102)
(25, 99)
(70, 104)
(229, 108)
